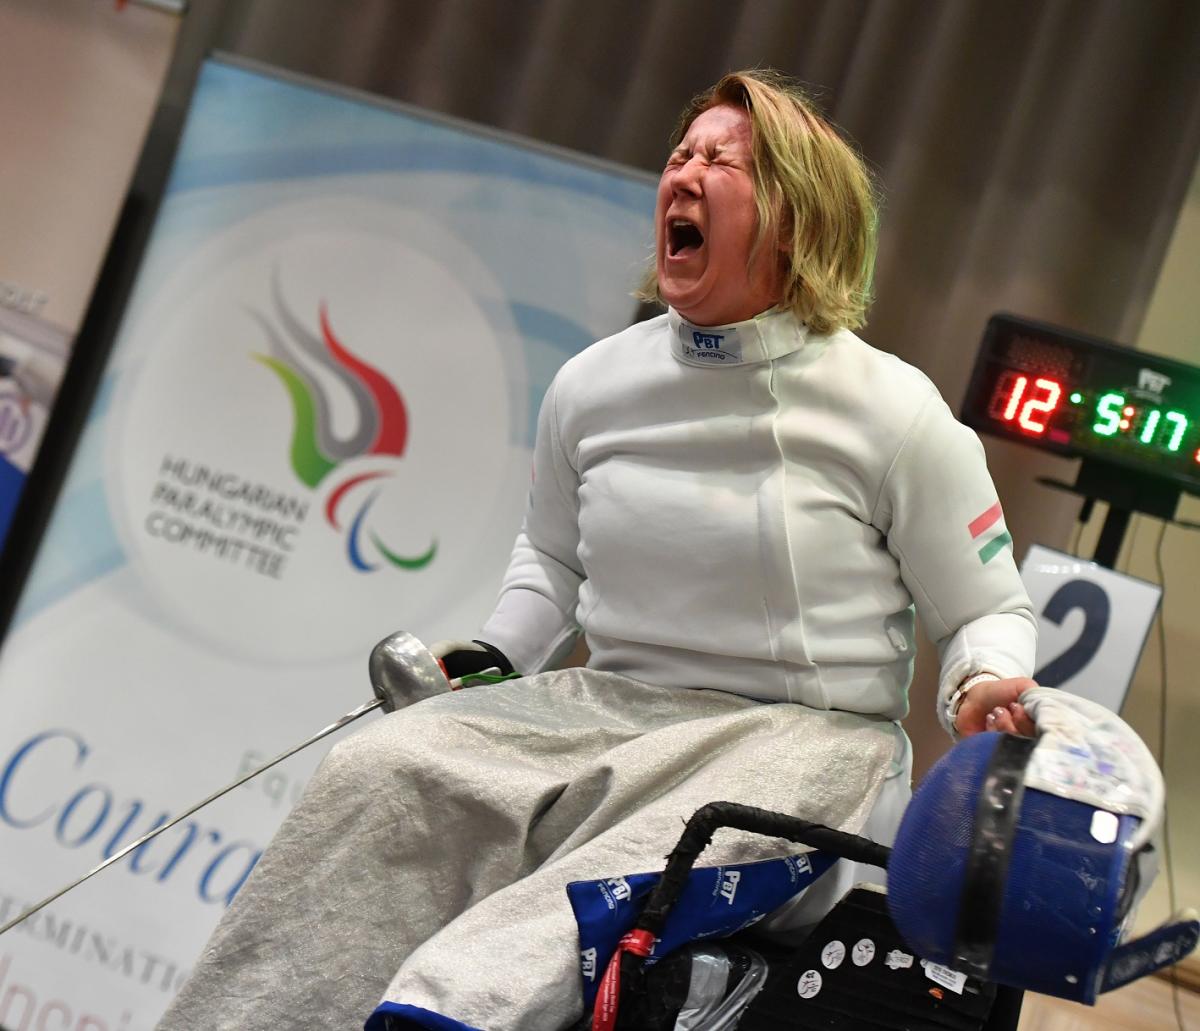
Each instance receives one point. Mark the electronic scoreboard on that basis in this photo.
(1078, 396)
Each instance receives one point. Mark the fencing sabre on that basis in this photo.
(402, 671)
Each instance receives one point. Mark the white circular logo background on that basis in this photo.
(192, 394)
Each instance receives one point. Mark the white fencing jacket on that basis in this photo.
(758, 509)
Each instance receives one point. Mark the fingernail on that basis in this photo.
(991, 717)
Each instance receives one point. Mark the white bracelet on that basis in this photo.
(960, 693)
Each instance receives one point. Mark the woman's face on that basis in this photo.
(705, 225)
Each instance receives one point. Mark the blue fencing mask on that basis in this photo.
(1020, 860)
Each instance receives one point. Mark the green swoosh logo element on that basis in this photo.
(308, 461)
(420, 562)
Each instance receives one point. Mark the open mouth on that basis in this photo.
(683, 238)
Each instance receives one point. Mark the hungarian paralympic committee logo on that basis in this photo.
(317, 450)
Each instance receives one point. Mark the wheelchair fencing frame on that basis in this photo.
(627, 968)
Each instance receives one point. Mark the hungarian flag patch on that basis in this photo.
(989, 533)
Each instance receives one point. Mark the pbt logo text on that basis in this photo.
(588, 957)
(1153, 381)
(619, 888)
(729, 885)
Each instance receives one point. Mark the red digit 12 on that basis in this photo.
(1040, 405)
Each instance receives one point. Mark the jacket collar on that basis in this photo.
(772, 334)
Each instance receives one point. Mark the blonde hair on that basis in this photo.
(810, 186)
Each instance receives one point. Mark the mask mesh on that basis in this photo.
(925, 872)
(1060, 910)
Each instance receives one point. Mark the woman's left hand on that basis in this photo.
(994, 705)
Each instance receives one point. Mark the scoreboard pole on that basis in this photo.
(1126, 491)
(1112, 533)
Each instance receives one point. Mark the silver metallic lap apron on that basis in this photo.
(426, 863)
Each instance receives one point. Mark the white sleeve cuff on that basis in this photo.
(1002, 644)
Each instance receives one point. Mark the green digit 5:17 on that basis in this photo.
(1113, 416)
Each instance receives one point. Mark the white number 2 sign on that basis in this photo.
(1092, 624)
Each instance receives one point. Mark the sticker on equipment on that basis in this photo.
(944, 976)
(863, 952)
(809, 984)
(833, 954)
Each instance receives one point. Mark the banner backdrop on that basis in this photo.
(315, 428)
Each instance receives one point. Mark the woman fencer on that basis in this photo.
(742, 507)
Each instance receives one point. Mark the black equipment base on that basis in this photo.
(847, 986)
(890, 991)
